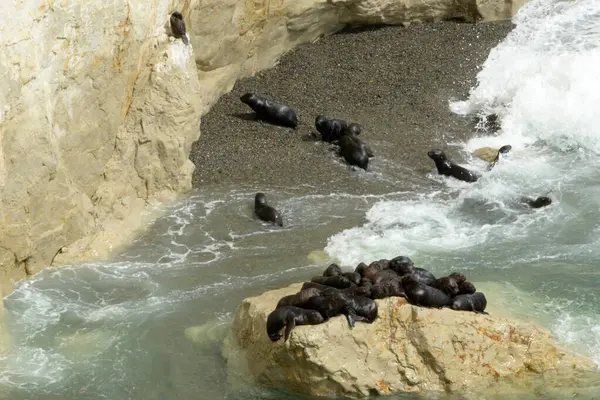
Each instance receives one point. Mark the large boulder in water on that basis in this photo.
(407, 348)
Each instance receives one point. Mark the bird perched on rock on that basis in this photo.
(178, 26)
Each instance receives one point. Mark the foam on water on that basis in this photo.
(543, 82)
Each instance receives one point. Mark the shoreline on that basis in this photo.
(394, 81)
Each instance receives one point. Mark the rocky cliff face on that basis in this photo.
(99, 106)
(407, 349)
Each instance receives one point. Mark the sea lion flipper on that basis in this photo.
(291, 324)
(351, 317)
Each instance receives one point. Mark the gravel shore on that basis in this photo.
(394, 81)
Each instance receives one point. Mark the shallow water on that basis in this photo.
(149, 324)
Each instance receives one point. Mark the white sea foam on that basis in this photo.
(543, 81)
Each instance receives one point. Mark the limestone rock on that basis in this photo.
(407, 348)
(99, 106)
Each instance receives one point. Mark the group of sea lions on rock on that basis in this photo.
(335, 131)
(446, 167)
(353, 294)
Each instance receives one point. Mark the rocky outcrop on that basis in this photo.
(407, 348)
(99, 106)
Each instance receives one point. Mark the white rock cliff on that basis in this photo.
(99, 107)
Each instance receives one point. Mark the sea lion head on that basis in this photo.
(437, 155)
(275, 336)
(177, 15)
(248, 98)
(504, 149)
(320, 119)
(541, 201)
(260, 199)
(458, 277)
(353, 129)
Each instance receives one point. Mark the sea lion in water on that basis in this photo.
(338, 281)
(178, 27)
(332, 270)
(475, 302)
(420, 294)
(270, 111)
(447, 285)
(290, 317)
(298, 298)
(353, 150)
(466, 287)
(448, 168)
(264, 211)
(502, 150)
(540, 202)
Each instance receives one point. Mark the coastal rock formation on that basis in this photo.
(100, 106)
(407, 348)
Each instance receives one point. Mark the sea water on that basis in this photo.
(149, 324)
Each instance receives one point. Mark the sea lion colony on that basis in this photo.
(353, 294)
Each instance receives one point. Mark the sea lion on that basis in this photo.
(338, 281)
(365, 309)
(458, 277)
(353, 151)
(332, 270)
(402, 265)
(447, 285)
(178, 27)
(353, 277)
(490, 154)
(333, 303)
(540, 202)
(270, 111)
(422, 275)
(371, 271)
(366, 282)
(466, 287)
(502, 150)
(290, 317)
(475, 302)
(264, 211)
(389, 288)
(315, 285)
(448, 168)
(420, 294)
(299, 298)
(360, 268)
(330, 129)
(353, 129)
(385, 275)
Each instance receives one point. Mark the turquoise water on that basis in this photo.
(149, 324)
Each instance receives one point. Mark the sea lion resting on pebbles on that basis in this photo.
(270, 111)
(289, 317)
